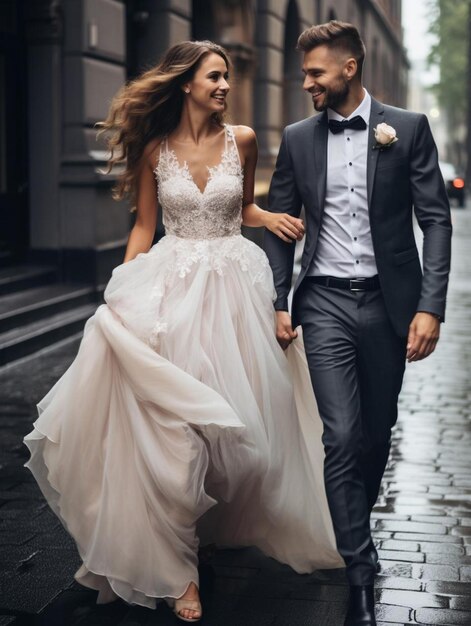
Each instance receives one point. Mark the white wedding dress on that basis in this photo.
(181, 420)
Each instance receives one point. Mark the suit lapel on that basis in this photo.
(376, 117)
(320, 152)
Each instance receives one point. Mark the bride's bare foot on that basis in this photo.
(188, 606)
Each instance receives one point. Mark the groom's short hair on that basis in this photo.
(336, 35)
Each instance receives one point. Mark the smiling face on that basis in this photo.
(209, 86)
(328, 75)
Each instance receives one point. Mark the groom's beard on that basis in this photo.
(334, 97)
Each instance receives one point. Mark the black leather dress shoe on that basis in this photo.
(361, 606)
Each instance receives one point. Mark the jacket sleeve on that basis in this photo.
(432, 211)
(283, 197)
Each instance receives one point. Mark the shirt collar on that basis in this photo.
(363, 110)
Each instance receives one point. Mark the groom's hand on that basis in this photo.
(284, 331)
(424, 333)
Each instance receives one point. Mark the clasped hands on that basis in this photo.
(284, 330)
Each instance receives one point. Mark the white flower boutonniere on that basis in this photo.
(385, 136)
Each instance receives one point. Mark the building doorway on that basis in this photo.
(293, 99)
(14, 215)
(203, 24)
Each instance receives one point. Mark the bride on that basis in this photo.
(182, 422)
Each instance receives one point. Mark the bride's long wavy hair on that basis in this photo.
(150, 107)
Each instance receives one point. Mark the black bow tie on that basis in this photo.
(357, 123)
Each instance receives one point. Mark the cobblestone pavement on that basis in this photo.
(422, 523)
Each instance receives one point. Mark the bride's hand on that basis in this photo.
(285, 226)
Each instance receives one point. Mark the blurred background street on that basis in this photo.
(61, 234)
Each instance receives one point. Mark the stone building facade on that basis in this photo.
(61, 62)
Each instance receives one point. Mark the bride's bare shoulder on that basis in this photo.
(244, 135)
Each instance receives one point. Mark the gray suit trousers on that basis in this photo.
(356, 362)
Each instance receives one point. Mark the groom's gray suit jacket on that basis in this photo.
(399, 178)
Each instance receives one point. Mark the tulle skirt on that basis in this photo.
(181, 422)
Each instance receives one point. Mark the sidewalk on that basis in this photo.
(422, 522)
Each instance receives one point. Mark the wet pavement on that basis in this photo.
(422, 522)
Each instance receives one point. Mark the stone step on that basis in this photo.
(19, 277)
(28, 338)
(30, 305)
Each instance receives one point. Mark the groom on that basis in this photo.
(361, 298)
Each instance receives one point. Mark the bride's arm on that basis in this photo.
(143, 231)
(285, 226)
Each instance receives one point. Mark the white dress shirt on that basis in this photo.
(345, 248)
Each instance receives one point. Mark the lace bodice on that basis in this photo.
(190, 213)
